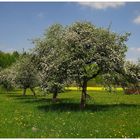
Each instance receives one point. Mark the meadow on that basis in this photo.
(107, 115)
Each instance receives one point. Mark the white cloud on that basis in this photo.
(134, 60)
(137, 20)
(41, 15)
(6, 49)
(138, 49)
(102, 5)
(134, 49)
(133, 53)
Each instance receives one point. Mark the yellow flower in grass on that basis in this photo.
(90, 88)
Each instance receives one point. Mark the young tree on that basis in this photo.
(24, 74)
(49, 59)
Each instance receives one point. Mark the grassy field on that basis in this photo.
(107, 115)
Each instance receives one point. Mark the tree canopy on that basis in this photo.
(48, 57)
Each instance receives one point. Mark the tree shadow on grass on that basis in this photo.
(75, 107)
(19, 96)
(65, 104)
(35, 99)
(42, 100)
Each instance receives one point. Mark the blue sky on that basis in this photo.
(22, 22)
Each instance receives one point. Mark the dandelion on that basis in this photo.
(34, 129)
(119, 132)
(96, 131)
(91, 134)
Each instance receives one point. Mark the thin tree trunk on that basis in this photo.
(24, 91)
(83, 95)
(55, 93)
(32, 91)
(54, 99)
(137, 89)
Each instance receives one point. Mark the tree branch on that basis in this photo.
(94, 75)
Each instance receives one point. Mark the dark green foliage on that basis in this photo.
(6, 59)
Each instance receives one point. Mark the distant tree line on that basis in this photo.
(7, 59)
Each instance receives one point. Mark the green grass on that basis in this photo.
(106, 115)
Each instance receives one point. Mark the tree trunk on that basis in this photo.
(32, 91)
(24, 91)
(54, 99)
(83, 95)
